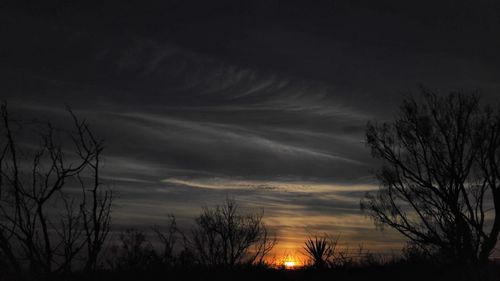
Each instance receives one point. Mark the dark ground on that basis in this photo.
(369, 272)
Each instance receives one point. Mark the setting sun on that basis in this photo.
(289, 264)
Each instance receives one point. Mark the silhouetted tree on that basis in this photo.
(168, 239)
(135, 253)
(42, 222)
(225, 237)
(440, 186)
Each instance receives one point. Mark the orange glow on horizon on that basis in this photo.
(288, 262)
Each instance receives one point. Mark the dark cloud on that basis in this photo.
(266, 101)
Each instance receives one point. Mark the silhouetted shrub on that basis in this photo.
(134, 253)
(223, 236)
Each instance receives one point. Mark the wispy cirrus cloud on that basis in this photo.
(271, 112)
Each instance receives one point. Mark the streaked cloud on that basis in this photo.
(270, 112)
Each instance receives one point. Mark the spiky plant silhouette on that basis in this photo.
(319, 250)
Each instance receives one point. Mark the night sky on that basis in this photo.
(262, 101)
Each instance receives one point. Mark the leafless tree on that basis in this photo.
(440, 186)
(168, 239)
(43, 223)
(225, 237)
(96, 210)
(135, 252)
(262, 248)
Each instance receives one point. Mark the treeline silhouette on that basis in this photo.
(440, 188)
(222, 237)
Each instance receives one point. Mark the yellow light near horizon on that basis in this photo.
(289, 264)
